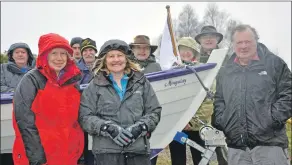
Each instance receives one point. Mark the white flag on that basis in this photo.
(166, 57)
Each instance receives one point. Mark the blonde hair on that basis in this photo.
(100, 65)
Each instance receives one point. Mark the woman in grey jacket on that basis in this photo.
(119, 108)
(20, 61)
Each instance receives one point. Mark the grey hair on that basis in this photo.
(243, 27)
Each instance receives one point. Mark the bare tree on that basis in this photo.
(230, 25)
(158, 42)
(188, 22)
(215, 17)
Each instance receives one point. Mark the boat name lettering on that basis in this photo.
(175, 82)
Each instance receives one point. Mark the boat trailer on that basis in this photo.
(213, 138)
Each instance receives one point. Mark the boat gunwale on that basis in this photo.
(6, 98)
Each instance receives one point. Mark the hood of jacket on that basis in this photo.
(48, 42)
(24, 46)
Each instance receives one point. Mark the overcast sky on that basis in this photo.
(27, 21)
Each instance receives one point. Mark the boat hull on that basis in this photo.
(179, 93)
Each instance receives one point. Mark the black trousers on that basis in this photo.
(87, 157)
(154, 160)
(6, 159)
(121, 159)
(178, 151)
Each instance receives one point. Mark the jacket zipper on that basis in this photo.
(244, 105)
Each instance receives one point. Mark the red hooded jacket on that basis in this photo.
(45, 111)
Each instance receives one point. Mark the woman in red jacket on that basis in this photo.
(45, 108)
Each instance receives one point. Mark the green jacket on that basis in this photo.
(206, 109)
(204, 112)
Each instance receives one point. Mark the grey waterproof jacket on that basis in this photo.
(100, 103)
(11, 74)
(252, 103)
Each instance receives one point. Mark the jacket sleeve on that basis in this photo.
(88, 119)
(219, 105)
(25, 118)
(4, 86)
(281, 109)
(152, 111)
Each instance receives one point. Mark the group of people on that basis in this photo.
(52, 117)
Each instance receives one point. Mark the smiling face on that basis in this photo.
(208, 41)
(116, 61)
(20, 56)
(57, 59)
(88, 55)
(186, 53)
(141, 52)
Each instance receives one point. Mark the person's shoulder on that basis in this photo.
(4, 64)
(35, 76)
(155, 66)
(33, 72)
(138, 76)
(271, 57)
(4, 67)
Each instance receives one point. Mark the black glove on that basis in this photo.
(119, 135)
(137, 130)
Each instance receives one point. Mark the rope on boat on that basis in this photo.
(210, 94)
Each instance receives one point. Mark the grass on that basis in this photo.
(164, 157)
(288, 128)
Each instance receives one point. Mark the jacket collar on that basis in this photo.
(12, 67)
(102, 79)
(81, 65)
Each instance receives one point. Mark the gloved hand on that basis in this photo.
(119, 135)
(137, 130)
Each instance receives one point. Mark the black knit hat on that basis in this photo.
(88, 43)
(75, 40)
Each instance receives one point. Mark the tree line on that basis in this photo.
(188, 24)
(3, 58)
